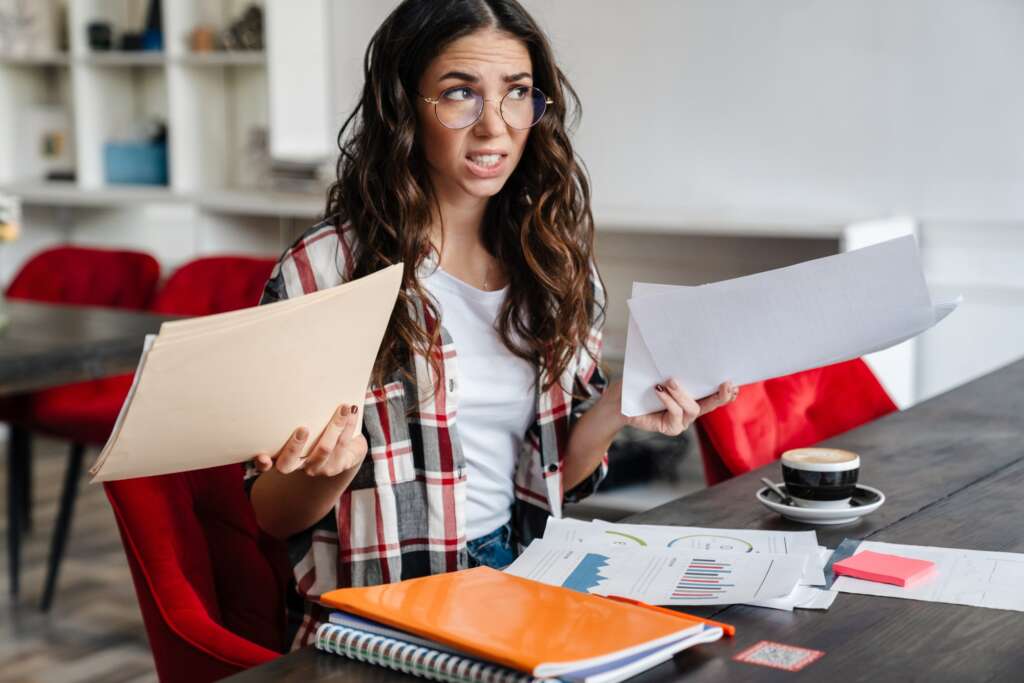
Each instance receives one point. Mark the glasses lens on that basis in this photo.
(459, 107)
(522, 107)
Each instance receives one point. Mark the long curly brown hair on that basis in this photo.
(539, 226)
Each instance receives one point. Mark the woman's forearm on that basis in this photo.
(591, 436)
(285, 504)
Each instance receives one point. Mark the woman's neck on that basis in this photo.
(457, 234)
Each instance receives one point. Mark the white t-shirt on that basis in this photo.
(496, 398)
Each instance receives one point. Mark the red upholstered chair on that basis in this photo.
(70, 275)
(85, 412)
(210, 583)
(794, 411)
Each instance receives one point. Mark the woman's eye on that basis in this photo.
(458, 94)
(519, 93)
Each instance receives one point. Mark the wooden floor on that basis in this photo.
(94, 631)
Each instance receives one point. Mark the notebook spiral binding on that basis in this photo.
(413, 659)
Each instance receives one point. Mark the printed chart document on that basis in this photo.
(215, 390)
(961, 577)
(801, 544)
(659, 577)
(775, 323)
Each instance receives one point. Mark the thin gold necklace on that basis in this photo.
(487, 274)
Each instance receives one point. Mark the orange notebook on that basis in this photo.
(534, 628)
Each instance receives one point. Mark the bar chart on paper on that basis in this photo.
(704, 579)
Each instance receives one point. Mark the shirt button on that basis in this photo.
(552, 468)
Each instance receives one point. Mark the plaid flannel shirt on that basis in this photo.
(403, 515)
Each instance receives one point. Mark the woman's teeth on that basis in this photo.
(486, 160)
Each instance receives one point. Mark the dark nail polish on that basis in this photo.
(658, 387)
(354, 409)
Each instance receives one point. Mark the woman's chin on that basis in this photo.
(483, 188)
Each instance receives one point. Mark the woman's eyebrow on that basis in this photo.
(463, 76)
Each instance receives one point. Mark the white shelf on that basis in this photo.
(241, 202)
(116, 58)
(224, 58)
(54, 59)
(59, 193)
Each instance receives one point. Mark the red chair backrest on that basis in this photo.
(87, 276)
(210, 583)
(214, 284)
(794, 411)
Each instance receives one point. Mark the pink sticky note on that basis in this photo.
(884, 568)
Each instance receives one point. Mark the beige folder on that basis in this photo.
(216, 390)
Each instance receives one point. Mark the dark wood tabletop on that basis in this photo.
(46, 345)
(952, 469)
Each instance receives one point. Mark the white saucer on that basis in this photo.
(865, 500)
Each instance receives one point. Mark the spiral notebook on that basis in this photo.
(445, 628)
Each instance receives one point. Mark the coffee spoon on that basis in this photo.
(785, 498)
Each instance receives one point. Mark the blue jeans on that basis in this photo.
(493, 549)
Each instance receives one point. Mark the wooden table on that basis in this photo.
(46, 345)
(952, 469)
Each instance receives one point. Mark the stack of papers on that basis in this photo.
(218, 389)
(775, 323)
(673, 565)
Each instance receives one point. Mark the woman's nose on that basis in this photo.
(490, 118)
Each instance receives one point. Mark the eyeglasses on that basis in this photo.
(459, 107)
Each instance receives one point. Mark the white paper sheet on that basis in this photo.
(802, 544)
(804, 597)
(659, 577)
(962, 577)
(775, 323)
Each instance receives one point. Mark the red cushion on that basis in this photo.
(214, 284)
(86, 412)
(794, 411)
(83, 412)
(210, 584)
(87, 276)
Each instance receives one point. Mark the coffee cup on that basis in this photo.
(820, 477)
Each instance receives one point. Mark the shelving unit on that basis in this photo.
(215, 106)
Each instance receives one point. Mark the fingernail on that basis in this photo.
(301, 433)
(658, 387)
(354, 409)
(673, 384)
(343, 411)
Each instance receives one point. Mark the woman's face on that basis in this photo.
(485, 60)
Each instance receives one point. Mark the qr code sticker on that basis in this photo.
(778, 656)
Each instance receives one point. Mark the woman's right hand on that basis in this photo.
(340, 447)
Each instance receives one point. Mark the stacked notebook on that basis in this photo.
(484, 625)
(215, 390)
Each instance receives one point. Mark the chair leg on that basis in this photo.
(24, 445)
(60, 533)
(15, 478)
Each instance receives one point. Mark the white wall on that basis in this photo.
(857, 107)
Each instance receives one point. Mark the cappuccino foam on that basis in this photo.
(819, 456)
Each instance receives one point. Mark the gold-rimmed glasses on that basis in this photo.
(522, 107)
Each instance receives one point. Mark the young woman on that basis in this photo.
(487, 408)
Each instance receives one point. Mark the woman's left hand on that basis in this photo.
(680, 408)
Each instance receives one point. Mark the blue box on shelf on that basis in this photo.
(137, 163)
